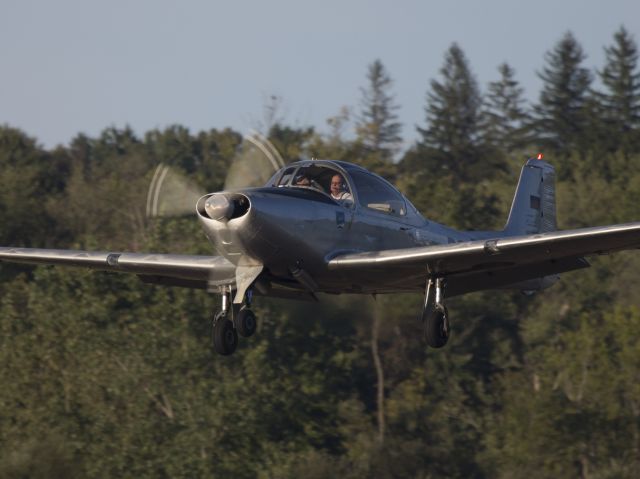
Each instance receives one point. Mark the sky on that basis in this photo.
(74, 66)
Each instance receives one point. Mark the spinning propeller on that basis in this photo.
(171, 193)
(256, 162)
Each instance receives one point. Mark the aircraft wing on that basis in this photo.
(167, 269)
(546, 253)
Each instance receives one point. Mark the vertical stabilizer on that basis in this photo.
(534, 205)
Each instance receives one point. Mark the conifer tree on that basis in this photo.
(505, 114)
(377, 125)
(453, 132)
(560, 116)
(620, 101)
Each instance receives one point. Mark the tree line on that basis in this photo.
(103, 376)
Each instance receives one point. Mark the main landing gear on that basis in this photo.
(225, 329)
(435, 317)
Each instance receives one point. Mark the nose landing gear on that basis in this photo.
(435, 316)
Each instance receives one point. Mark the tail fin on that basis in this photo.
(534, 205)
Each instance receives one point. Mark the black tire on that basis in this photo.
(436, 327)
(246, 322)
(225, 338)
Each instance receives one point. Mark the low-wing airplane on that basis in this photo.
(333, 227)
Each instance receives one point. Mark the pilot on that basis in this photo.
(339, 191)
(302, 180)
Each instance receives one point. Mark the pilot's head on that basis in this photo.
(337, 185)
(302, 180)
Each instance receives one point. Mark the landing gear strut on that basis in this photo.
(225, 330)
(225, 337)
(435, 316)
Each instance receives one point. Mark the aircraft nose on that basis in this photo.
(223, 206)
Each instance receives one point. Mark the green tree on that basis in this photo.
(560, 116)
(377, 126)
(105, 195)
(504, 113)
(449, 173)
(573, 411)
(26, 184)
(620, 101)
(175, 146)
(453, 136)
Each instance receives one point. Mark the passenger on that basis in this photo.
(339, 190)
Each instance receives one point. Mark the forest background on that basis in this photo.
(103, 376)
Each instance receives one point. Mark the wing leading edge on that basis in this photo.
(168, 269)
(190, 271)
(493, 255)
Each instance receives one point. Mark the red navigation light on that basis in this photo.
(540, 156)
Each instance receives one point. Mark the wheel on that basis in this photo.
(246, 322)
(225, 338)
(436, 327)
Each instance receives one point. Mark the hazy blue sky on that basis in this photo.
(80, 66)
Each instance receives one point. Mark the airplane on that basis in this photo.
(322, 226)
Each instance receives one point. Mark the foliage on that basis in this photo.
(561, 114)
(377, 127)
(620, 101)
(453, 135)
(505, 115)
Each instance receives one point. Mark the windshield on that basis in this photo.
(320, 178)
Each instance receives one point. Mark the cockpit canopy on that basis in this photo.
(314, 176)
(359, 186)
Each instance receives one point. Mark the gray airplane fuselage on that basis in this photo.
(293, 231)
